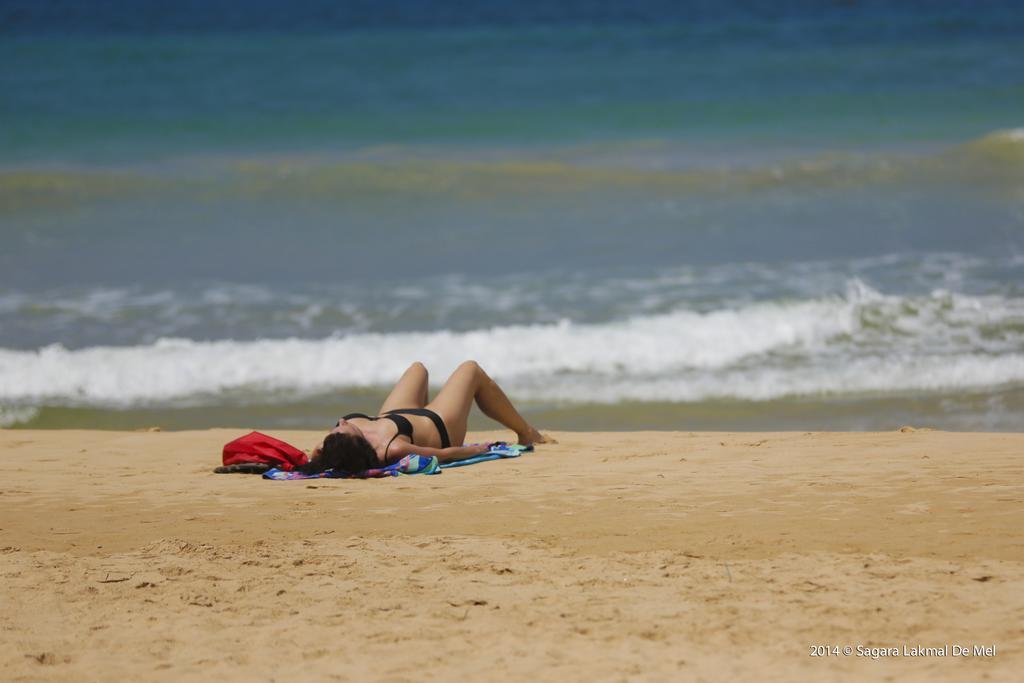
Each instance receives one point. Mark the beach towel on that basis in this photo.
(498, 451)
(410, 464)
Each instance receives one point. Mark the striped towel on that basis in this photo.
(410, 464)
(498, 451)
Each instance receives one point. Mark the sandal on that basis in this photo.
(243, 468)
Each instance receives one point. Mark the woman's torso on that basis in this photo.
(387, 428)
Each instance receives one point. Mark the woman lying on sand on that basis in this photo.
(408, 423)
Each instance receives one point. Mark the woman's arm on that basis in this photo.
(401, 449)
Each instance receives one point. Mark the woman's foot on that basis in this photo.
(532, 436)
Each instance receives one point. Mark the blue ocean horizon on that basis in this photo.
(738, 215)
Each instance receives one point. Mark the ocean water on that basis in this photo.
(691, 215)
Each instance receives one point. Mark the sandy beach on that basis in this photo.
(607, 556)
(676, 235)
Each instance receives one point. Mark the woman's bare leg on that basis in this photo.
(410, 391)
(469, 382)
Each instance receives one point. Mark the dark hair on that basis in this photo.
(344, 452)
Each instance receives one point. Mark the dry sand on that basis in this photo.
(618, 556)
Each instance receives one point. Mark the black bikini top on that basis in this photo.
(404, 426)
(402, 422)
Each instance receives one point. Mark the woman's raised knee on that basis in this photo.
(470, 365)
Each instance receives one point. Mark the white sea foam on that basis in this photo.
(175, 368)
(867, 376)
(1008, 135)
(861, 342)
(13, 415)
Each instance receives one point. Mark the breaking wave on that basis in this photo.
(861, 341)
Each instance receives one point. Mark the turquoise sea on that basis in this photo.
(671, 215)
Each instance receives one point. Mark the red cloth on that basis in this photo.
(257, 447)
